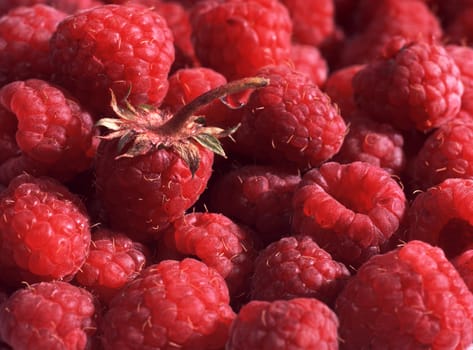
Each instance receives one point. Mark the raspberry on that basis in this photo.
(291, 122)
(113, 260)
(408, 298)
(220, 243)
(300, 323)
(68, 6)
(44, 231)
(126, 49)
(296, 267)
(172, 304)
(443, 216)
(463, 56)
(464, 265)
(313, 21)
(256, 196)
(418, 86)
(375, 143)
(308, 60)
(350, 210)
(25, 34)
(48, 315)
(446, 153)
(46, 132)
(225, 32)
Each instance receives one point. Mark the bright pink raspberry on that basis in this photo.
(308, 60)
(418, 86)
(300, 323)
(226, 32)
(49, 315)
(350, 210)
(126, 49)
(409, 298)
(172, 304)
(443, 216)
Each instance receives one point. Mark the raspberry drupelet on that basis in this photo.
(409, 298)
(181, 304)
(44, 231)
(49, 315)
(350, 210)
(296, 267)
(126, 49)
(299, 323)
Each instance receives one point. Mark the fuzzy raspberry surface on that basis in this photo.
(225, 32)
(350, 210)
(182, 304)
(44, 131)
(44, 231)
(415, 295)
(48, 315)
(299, 323)
(130, 49)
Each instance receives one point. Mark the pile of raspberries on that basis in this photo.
(236, 174)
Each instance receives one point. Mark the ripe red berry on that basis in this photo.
(308, 60)
(68, 6)
(408, 298)
(350, 210)
(463, 57)
(126, 49)
(172, 304)
(49, 315)
(44, 231)
(300, 323)
(464, 265)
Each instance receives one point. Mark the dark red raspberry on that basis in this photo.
(350, 210)
(257, 196)
(176, 304)
(49, 315)
(290, 122)
(236, 38)
(464, 265)
(126, 49)
(68, 6)
(339, 88)
(295, 267)
(24, 49)
(417, 86)
(44, 231)
(408, 298)
(375, 143)
(220, 243)
(463, 57)
(308, 60)
(460, 30)
(44, 132)
(446, 153)
(300, 323)
(113, 260)
(442, 215)
(313, 21)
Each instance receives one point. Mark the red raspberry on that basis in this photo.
(375, 143)
(68, 6)
(226, 32)
(464, 265)
(339, 88)
(313, 21)
(463, 57)
(45, 132)
(442, 215)
(308, 60)
(113, 260)
(296, 267)
(300, 323)
(412, 20)
(350, 210)
(220, 243)
(25, 34)
(48, 315)
(256, 196)
(126, 49)
(446, 153)
(172, 304)
(417, 86)
(44, 231)
(460, 30)
(408, 298)
(290, 122)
